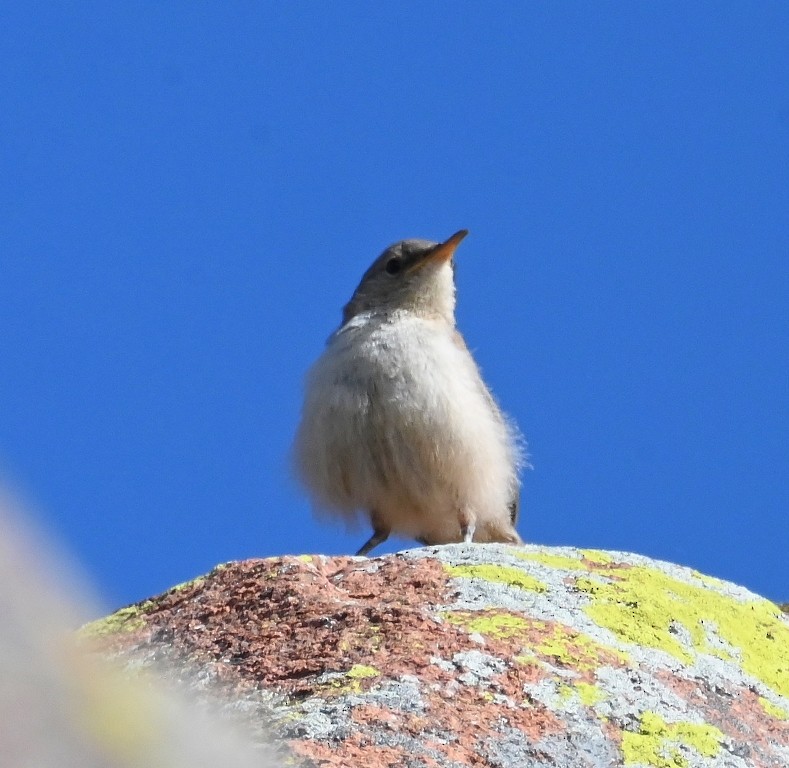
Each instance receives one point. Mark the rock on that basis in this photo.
(482, 655)
(61, 707)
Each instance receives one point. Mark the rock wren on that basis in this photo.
(397, 421)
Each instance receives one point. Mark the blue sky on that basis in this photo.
(191, 191)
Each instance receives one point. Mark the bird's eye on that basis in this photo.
(393, 266)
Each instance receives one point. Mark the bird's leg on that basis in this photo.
(380, 535)
(467, 527)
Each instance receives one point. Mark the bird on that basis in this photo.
(397, 422)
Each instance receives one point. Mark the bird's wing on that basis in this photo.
(514, 507)
(457, 338)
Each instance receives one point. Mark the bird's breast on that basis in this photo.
(411, 362)
(396, 417)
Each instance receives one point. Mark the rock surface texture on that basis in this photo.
(479, 655)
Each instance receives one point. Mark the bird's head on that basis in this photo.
(412, 275)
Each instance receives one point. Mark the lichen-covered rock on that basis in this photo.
(482, 655)
(61, 707)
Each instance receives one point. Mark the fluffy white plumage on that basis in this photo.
(397, 421)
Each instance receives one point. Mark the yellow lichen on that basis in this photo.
(779, 713)
(659, 744)
(499, 625)
(124, 620)
(548, 640)
(710, 581)
(589, 694)
(501, 574)
(597, 557)
(360, 671)
(641, 605)
(574, 649)
(527, 660)
(351, 681)
(561, 562)
(564, 692)
(186, 584)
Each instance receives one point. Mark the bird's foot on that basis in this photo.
(379, 536)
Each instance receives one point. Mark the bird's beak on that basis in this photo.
(443, 251)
